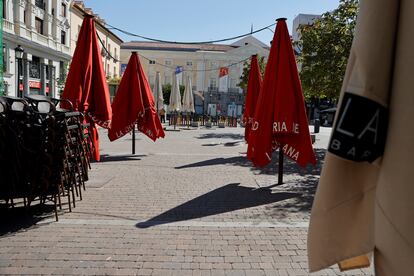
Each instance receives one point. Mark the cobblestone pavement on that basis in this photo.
(190, 204)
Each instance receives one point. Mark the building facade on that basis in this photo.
(36, 45)
(109, 39)
(202, 62)
(302, 19)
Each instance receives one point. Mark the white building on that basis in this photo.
(36, 45)
(202, 62)
(111, 41)
(302, 19)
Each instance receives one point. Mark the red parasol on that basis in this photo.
(254, 85)
(86, 85)
(134, 103)
(280, 118)
(127, 105)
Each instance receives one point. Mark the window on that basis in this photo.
(39, 25)
(47, 68)
(63, 10)
(108, 73)
(25, 17)
(115, 56)
(115, 74)
(168, 62)
(214, 64)
(40, 4)
(4, 9)
(35, 68)
(63, 37)
(5, 58)
(109, 48)
(62, 70)
(213, 82)
(151, 61)
(189, 63)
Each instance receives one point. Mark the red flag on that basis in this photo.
(86, 85)
(127, 105)
(254, 85)
(280, 118)
(134, 103)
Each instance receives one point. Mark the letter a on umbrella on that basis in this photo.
(134, 104)
(86, 85)
(280, 118)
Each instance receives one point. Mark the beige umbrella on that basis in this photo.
(175, 96)
(175, 99)
(188, 98)
(364, 202)
(158, 96)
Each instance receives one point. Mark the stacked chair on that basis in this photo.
(44, 151)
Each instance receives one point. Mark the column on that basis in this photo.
(43, 68)
(26, 74)
(52, 82)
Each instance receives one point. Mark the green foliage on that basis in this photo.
(62, 81)
(246, 70)
(114, 81)
(166, 92)
(324, 50)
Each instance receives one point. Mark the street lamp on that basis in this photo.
(19, 51)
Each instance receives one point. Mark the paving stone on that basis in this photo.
(178, 207)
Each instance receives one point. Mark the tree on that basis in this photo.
(246, 70)
(324, 50)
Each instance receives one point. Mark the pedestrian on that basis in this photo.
(162, 115)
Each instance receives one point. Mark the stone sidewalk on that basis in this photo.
(190, 204)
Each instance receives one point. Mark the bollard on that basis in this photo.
(316, 126)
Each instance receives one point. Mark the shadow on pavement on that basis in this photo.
(213, 135)
(228, 144)
(302, 204)
(290, 167)
(120, 158)
(222, 200)
(21, 218)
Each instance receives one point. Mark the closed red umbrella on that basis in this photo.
(280, 118)
(86, 85)
(254, 85)
(134, 103)
(127, 105)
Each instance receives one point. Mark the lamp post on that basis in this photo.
(19, 51)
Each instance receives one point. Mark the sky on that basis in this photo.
(192, 20)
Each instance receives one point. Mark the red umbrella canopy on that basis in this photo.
(280, 118)
(254, 85)
(127, 105)
(134, 104)
(86, 85)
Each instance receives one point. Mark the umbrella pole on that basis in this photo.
(280, 173)
(133, 139)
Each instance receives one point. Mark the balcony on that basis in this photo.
(42, 39)
(8, 26)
